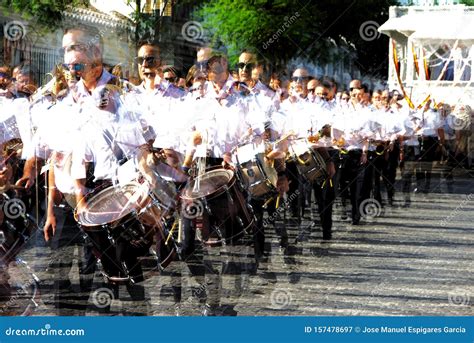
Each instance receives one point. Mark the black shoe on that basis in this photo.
(210, 310)
(177, 310)
(355, 221)
(284, 242)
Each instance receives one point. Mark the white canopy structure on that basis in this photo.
(435, 50)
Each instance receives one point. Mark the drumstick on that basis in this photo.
(171, 232)
(267, 202)
(288, 135)
(180, 229)
(278, 201)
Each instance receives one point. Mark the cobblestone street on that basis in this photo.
(405, 261)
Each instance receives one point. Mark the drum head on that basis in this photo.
(209, 183)
(299, 146)
(112, 204)
(247, 152)
(169, 173)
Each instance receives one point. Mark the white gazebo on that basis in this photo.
(434, 46)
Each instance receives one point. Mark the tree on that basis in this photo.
(279, 30)
(47, 14)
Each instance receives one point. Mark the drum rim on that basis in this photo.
(220, 190)
(92, 195)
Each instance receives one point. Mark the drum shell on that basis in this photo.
(309, 162)
(124, 238)
(313, 168)
(258, 177)
(224, 212)
(256, 173)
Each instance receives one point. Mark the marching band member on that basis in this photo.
(423, 136)
(350, 130)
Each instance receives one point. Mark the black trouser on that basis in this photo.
(259, 233)
(408, 166)
(353, 174)
(325, 194)
(390, 170)
(341, 178)
(296, 183)
(376, 164)
(68, 235)
(428, 154)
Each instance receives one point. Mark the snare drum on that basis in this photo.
(121, 222)
(308, 161)
(215, 197)
(256, 172)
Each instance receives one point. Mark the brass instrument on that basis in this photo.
(57, 87)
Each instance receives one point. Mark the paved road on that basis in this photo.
(403, 261)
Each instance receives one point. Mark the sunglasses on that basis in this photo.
(299, 78)
(245, 66)
(311, 90)
(150, 60)
(76, 67)
(6, 76)
(171, 79)
(352, 88)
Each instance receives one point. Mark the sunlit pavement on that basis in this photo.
(401, 261)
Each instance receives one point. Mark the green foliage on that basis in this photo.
(47, 14)
(279, 30)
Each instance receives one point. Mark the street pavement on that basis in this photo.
(400, 261)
